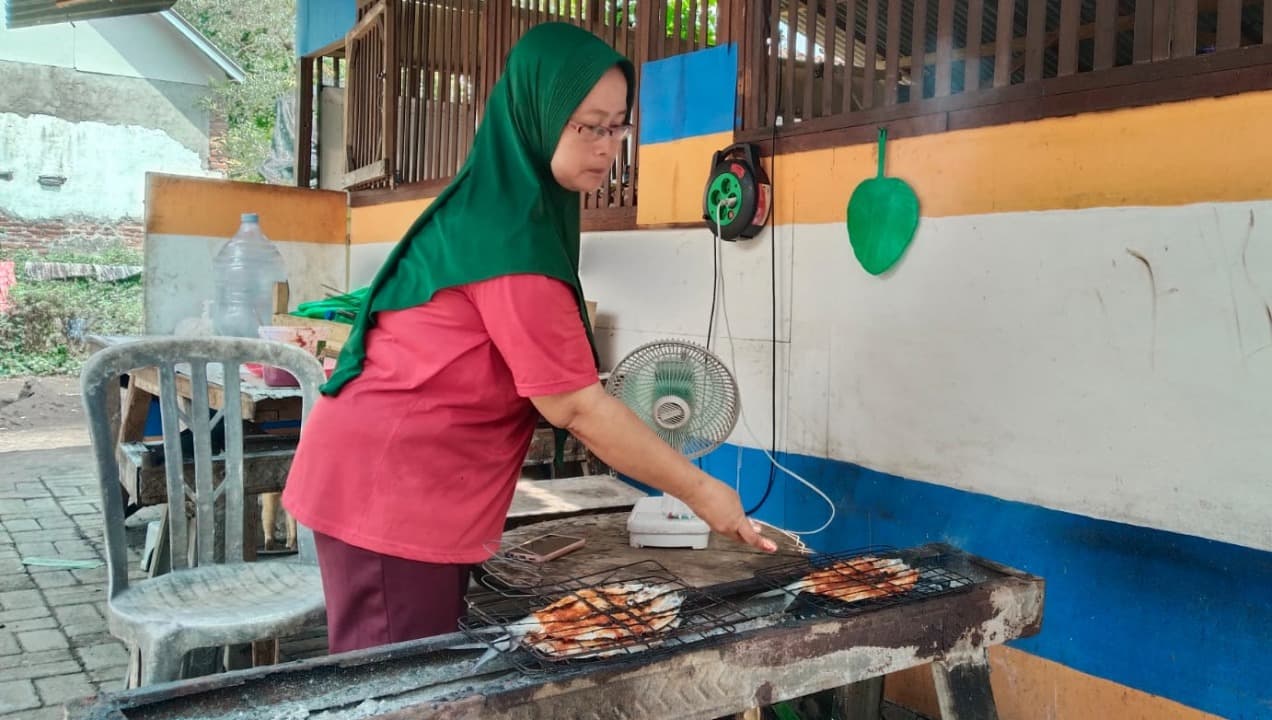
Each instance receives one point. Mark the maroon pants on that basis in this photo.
(375, 599)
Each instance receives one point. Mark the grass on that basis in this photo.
(43, 332)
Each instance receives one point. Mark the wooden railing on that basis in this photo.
(439, 58)
(817, 66)
(419, 73)
(370, 123)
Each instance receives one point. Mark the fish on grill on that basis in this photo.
(597, 622)
(857, 579)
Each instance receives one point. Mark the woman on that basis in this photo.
(475, 326)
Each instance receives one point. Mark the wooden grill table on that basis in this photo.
(771, 657)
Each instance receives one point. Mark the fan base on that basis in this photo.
(665, 522)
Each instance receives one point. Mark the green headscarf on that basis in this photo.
(503, 213)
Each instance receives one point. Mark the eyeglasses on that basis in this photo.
(597, 133)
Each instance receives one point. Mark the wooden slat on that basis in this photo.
(828, 70)
(892, 51)
(1267, 26)
(1035, 39)
(1105, 34)
(788, 74)
(1070, 15)
(436, 106)
(305, 128)
(1143, 34)
(918, 47)
(451, 99)
(474, 69)
(944, 45)
(1161, 29)
(385, 115)
(412, 95)
(677, 32)
(365, 174)
(1002, 40)
(850, 52)
(1183, 41)
(871, 54)
(810, 35)
(704, 8)
(1228, 32)
(424, 121)
(971, 62)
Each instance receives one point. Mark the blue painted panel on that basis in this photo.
(1173, 615)
(322, 22)
(688, 95)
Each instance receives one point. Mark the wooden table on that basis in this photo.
(259, 403)
(722, 565)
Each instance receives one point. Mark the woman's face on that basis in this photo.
(593, 135)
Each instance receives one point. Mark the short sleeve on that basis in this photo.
(534, 322)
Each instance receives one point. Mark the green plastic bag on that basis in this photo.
(883, 214)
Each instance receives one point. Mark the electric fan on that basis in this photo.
(686, 395)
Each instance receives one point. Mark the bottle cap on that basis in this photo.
(250, 217)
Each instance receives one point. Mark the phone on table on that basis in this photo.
(545, 547)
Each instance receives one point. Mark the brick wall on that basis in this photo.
(71, 233)
(217, 128)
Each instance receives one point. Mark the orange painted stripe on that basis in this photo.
(210, 207)
(673, 192)
(383, 223)
(1162, 155)
(1027, 687)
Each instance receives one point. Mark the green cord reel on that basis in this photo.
(738, 197)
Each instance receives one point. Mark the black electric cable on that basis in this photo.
(772, 477)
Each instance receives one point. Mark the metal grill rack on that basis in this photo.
(861, 586)
(629, 612)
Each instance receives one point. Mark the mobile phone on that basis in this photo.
(546, 547)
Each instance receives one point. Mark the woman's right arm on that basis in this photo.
(609, 429)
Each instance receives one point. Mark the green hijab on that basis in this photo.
(503, 213)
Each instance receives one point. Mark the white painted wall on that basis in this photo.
(140, 46)
(1028, 356)
(178, 280)
(104, 166)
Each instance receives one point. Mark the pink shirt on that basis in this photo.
(418, 457)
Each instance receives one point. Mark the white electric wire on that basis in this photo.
(717, 247)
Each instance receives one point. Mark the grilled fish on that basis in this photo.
(863, 578)
(597, 622)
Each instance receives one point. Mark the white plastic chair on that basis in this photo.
(221, 600)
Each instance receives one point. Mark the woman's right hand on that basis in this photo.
(629, 446)
(719, 506)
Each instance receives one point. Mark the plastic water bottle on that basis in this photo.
(245, 271)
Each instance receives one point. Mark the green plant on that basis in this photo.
(260, 36)
(44, 330)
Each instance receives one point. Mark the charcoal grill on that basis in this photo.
(772, 656)
(495, 616)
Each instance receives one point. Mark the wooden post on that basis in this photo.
(305, 126)
(962, 688)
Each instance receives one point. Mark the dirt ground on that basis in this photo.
(41, 413)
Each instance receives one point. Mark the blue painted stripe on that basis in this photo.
(1173, 615)
(322, 22)
(688, 95)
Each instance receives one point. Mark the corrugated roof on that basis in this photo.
(27, 13)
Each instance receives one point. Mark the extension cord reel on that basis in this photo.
(738, 197)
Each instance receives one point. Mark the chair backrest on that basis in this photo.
(187, 361)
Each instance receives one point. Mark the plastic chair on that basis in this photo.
(220, 600)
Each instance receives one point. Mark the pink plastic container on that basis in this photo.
(305, 338)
